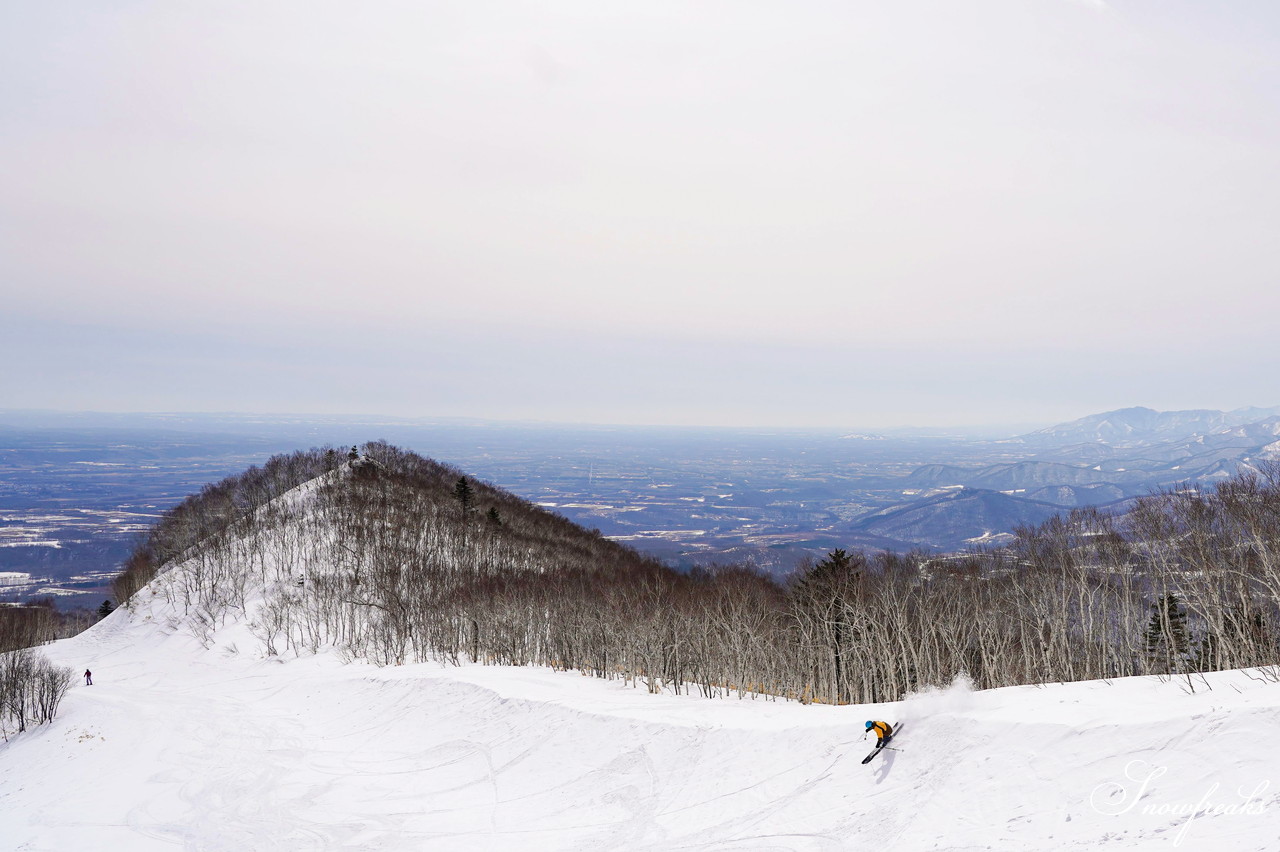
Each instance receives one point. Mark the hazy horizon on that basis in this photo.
(27, 416)
(40, 417)
(836, 215)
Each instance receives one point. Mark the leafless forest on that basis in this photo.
(37, 621)
(31, 688)
(391, 557)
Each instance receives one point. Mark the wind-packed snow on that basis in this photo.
(179, 746)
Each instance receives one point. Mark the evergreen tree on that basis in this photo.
(826, 593)
(494, 517)
(353, 455)
(464, 493)
(836, 563)
(106, 609)
(1166, 636)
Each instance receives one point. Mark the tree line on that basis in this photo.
(391, 557)
(38, 621)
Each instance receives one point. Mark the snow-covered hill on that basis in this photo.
(1139, 426)
(182, 746)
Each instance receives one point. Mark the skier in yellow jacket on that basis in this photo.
(884, 732)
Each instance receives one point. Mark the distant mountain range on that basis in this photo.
(1101, 460)
(957, 518)
(1140, 427)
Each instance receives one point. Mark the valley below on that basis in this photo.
(76, 490)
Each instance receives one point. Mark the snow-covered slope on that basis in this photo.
(179, 746)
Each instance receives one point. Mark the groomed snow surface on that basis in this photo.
(181, 747)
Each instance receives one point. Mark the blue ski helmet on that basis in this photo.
(870, 725)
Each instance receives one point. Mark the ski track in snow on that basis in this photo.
(213, 750)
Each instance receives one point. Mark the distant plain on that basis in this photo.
(78, 490)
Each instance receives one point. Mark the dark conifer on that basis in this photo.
(464, 493)
(1166, 635)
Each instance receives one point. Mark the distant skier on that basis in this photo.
(883, 730)
(88, 678)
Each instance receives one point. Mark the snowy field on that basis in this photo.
(181, 747)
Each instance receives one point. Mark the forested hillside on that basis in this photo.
(390, 557)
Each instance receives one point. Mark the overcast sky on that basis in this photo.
(724, 213)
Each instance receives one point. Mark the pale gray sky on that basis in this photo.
(737, 213)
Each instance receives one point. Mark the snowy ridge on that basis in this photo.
(211, 748)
